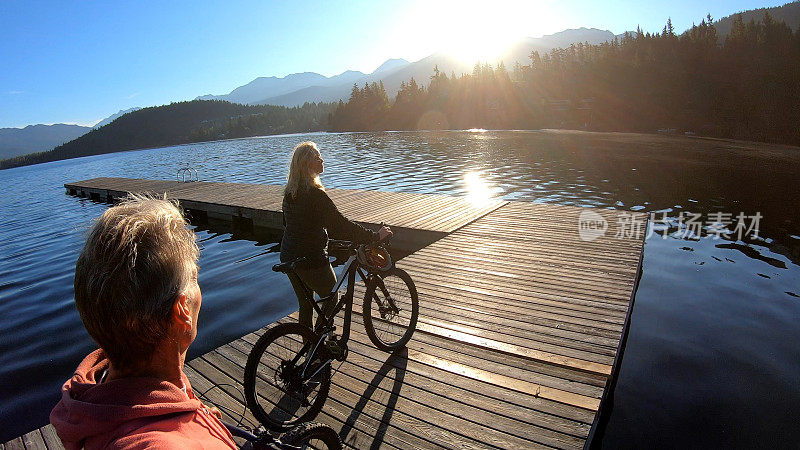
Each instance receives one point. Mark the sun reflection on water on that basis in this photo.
(479, 191)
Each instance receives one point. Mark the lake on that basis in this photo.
(712, 356)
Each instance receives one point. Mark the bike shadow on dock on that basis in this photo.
(397, 362)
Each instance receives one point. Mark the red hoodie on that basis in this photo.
(132, 413)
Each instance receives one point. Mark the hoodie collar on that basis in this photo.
(89, 407)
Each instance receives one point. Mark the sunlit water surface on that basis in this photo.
(712, 357)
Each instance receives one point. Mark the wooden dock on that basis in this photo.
(520, 331)
(417, 220)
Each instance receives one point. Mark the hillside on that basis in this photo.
(115, 116)
(184, 122)
(520, 51)
(788, 13)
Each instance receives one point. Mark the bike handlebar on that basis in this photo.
(338, 244)
(341, 245)
(333, 244)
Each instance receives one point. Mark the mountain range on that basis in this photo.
(40, 138)
(298, 88)
(37, 138)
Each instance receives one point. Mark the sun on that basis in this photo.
(479, 32)
(484, 47)
(470, 30)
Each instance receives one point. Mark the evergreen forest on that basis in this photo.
(745, 86)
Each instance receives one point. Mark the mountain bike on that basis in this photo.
(288, 372)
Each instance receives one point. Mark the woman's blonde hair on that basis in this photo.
(300, 177)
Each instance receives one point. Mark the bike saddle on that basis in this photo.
(289, 266)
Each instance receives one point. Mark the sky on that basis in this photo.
(79, 62)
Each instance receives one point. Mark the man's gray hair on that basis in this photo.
(138, 258)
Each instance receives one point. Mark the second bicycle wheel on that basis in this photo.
(391, 309)
(313, 435)
(278, 393)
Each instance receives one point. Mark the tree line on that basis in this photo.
(269, 120)
(746, 86)
(185, 122)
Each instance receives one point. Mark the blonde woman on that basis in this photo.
(309, 215)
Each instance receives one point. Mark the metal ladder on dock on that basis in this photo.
(191, 172)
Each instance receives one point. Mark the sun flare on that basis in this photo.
(485, 47)
(471, 31)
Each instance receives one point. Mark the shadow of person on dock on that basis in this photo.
(397, 361)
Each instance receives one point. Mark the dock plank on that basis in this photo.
(16, 444)
(33, 439)
(51, 438)
(363, 347)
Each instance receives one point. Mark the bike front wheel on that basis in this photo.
(391, 309)
(313, 435)
(282, 385)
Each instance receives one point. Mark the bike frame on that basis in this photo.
(346, 302)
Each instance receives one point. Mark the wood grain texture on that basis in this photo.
(33, 439)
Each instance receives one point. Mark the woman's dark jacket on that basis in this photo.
(308, 219)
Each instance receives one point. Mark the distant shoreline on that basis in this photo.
(182, 144)
(764, 149)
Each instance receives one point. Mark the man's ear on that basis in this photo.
(181, 314)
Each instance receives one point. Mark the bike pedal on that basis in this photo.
(336, 349)
(343, 356)
(333, 347)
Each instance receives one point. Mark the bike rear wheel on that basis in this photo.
(313, 435)
(391, 309)
(278, 393)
